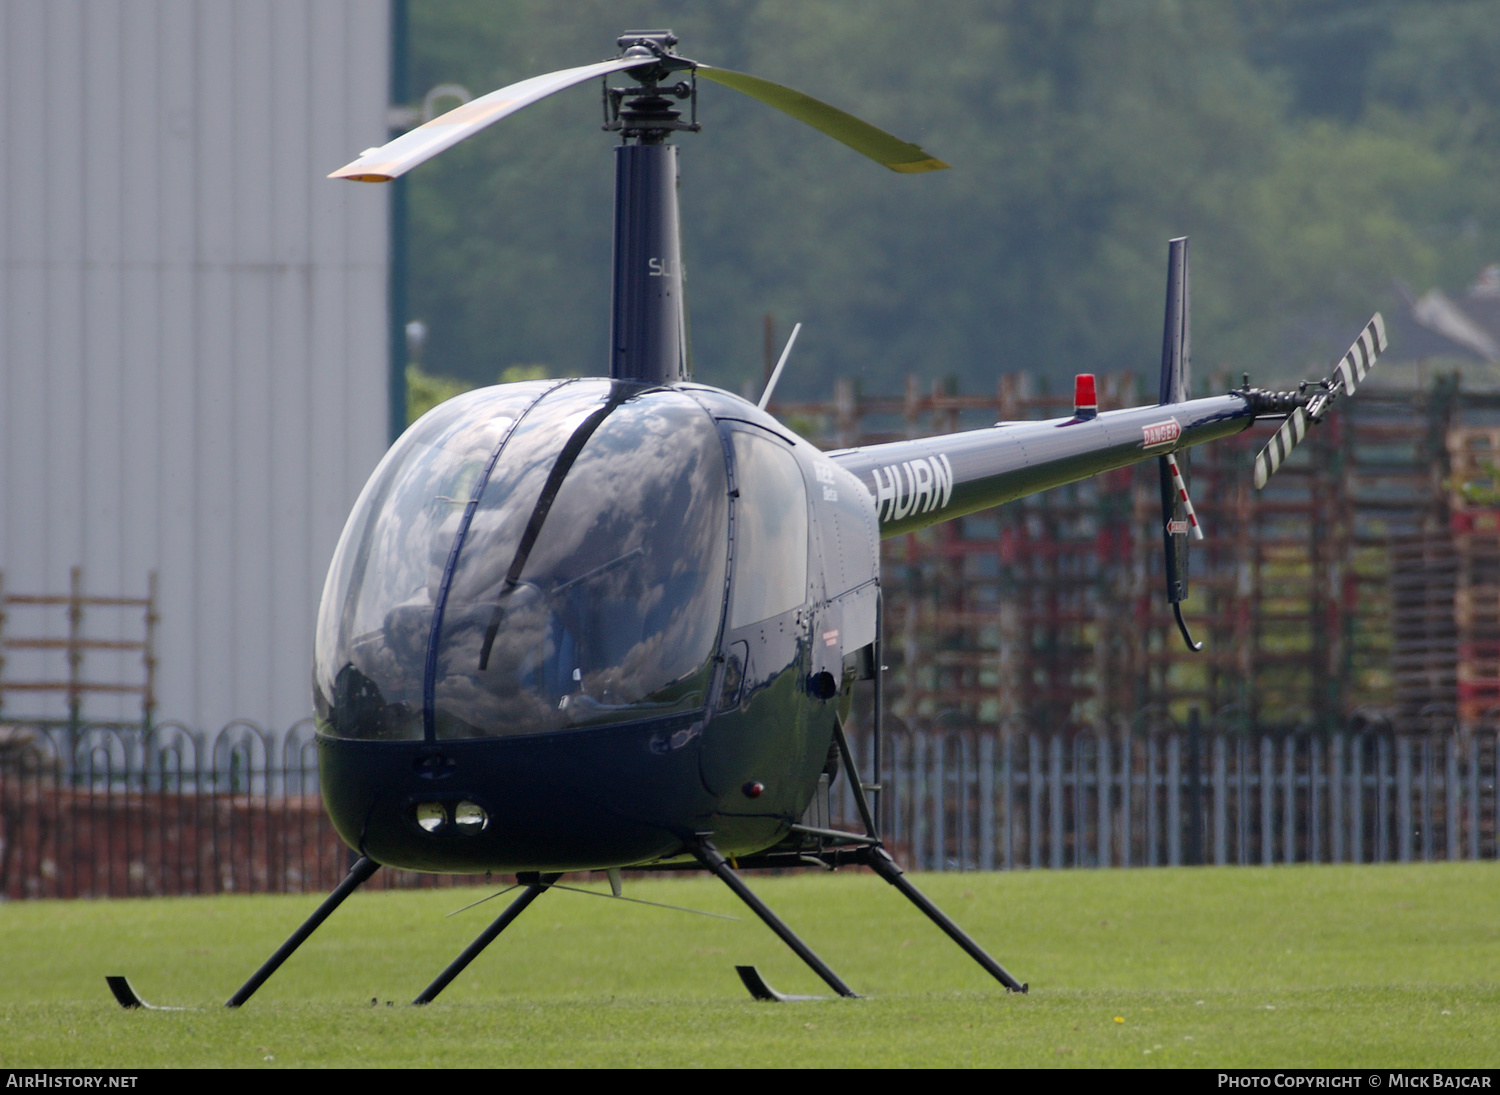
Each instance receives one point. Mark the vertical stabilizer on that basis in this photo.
(1176, 340)
(1176, 368)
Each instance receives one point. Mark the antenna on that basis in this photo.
(765, 396)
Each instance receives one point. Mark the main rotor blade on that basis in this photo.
(861, 136)
(410, 149)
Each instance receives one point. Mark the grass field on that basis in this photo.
(1380, 966)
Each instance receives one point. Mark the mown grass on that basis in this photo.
(1314, 966)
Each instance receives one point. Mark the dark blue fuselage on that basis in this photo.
(571, 625)
(600, 617)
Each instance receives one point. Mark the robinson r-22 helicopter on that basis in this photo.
(615, 623)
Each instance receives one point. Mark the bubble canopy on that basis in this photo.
(526, 559)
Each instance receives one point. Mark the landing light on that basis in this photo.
(431, 816)
(470, 817)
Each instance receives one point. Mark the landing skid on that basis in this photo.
(825, 848)
(834, 848)
(830, 849)
(129, 998)
(761, 989)
(359, 874)
(858, 853)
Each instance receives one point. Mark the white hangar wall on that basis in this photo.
(193, 332)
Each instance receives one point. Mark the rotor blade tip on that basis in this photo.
(929, 164)
(360, 176)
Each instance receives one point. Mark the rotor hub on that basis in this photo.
(646, 113)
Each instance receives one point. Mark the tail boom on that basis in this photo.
(928, 480)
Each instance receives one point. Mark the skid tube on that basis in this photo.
(358, 875)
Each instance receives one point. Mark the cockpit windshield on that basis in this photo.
(578, 580)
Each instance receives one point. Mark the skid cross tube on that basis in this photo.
(709, 856)
(880, 861)
(536, 886)
(358, 874)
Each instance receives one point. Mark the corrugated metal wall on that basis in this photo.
(193, 326)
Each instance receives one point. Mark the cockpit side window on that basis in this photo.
(770, 530)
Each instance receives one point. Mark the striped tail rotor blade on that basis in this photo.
(1348, 374)
(1361, 356)
(1292, 431)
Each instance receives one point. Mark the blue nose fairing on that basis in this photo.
(529, 564)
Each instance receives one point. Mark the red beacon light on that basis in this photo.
(1085, 402)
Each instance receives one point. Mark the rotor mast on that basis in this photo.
(648, 321)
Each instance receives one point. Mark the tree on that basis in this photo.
(1083, 135)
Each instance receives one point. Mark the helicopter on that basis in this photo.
(616, 623)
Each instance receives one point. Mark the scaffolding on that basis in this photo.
(1474, 498)
(39, 638)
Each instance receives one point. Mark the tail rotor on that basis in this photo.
(1345, 379)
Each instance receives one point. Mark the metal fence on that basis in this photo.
(986, 801)
(114, 811)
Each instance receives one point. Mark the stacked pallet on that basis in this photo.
(1424, 654)
(1474, 508)
(1327, 598)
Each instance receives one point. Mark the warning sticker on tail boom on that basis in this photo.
(1160, 433)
